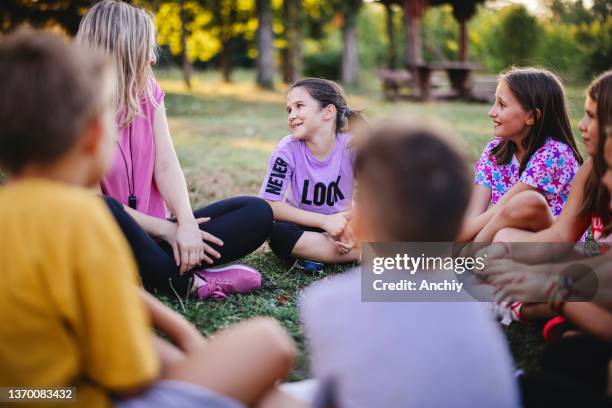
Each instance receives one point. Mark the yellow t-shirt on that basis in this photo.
(70, 314)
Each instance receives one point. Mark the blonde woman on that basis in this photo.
(146, 184)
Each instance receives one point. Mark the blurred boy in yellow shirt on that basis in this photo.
(71, 311)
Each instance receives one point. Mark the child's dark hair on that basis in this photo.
(596, 195)
(50, 90)
(417, 183)
(328, 92)
(540, 89)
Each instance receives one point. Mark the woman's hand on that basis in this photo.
(189, 244)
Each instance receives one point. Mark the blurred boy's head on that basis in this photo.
(413, 185)
(56, 108)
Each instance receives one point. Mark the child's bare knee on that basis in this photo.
(503, 235)
(269, 332)
(524, 205)
(534, 201)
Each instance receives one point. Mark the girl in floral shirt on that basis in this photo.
(533, 150)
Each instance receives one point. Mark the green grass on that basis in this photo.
(224, 134)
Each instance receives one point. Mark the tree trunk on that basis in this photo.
(294, 39)
(284, 53)
(225, 36)
(225, 61)
(265, 56)
(391, 58)
(186, 63)
(350, 65)
(463, 41)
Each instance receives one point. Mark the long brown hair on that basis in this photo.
(328, 92)
(537, 88)
(596, 195)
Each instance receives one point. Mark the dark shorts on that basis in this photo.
(284, 237)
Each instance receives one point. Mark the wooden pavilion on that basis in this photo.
(458, 71)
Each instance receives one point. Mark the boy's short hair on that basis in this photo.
(416, 183)
(51, 89)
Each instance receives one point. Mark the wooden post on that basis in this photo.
(413, 13)
(414, 10)
(407, 45)
(463, 41)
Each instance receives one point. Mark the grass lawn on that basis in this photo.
(224, 135)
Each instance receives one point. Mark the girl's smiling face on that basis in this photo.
(305, 116)
(510, 120)
(589, 127)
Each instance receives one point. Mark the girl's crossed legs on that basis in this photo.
(523, 215)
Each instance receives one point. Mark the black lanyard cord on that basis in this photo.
(131, 183)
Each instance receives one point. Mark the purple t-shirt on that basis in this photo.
(294, 175)
(551, 170)
(119, 181)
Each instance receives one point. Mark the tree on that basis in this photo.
(390, 16)
(186, 62)
(209, 29)
(265, 46)
(569, 12)
(43, 13)
(515, 38)
(183, 26)
(602, 9)
(292, 53)
(349, 10)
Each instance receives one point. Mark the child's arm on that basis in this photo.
(333, 224)
(591, 318)
(167, 352)
(479, 201)
(184, 334)
(474, 225)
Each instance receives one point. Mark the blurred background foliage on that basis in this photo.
(567, 37)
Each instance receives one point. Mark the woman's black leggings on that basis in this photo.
(242, 223)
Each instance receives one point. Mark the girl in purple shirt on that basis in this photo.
(309, 181)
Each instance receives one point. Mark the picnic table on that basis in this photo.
(458, 75)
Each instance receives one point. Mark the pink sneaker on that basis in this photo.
(219, 283)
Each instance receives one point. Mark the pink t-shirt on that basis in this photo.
(294, 175)
(137, 156)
